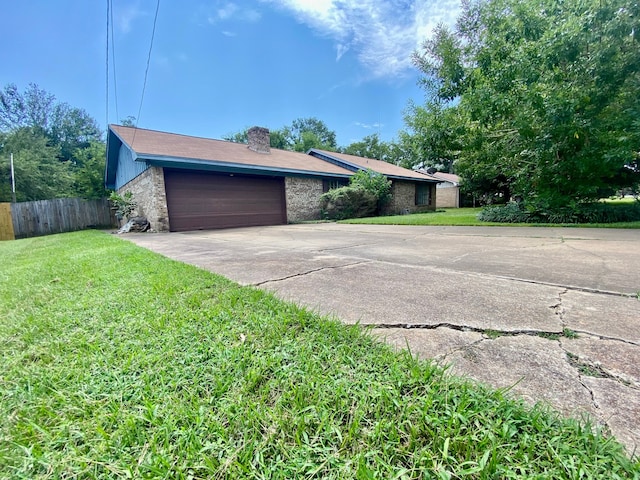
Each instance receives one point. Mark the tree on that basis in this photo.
(65, 126)
(543, 93)
(369, 147)
(434, 135)
(39, 174)
(89, 171)
(307, 133)
(32, 109)
(128, 121)
(34, 127)
(302, 135)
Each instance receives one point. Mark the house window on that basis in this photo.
(423, 194)
(333, 183)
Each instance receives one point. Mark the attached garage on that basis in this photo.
(199, 200)
(182, 183)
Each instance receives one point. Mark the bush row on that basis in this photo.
(581, 213)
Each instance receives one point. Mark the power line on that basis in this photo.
(113, 59)
(107, 72)
(146, 72)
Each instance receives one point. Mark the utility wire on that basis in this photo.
(113, 59)
(107, 72)
(146, 72)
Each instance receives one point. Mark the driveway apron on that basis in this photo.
(552, 314)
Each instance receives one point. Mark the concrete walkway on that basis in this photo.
(551, 313)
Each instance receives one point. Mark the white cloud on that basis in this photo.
(382, 33)
(369, 126)
(230, 11)
(124, 17)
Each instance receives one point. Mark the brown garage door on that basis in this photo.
(202, 200)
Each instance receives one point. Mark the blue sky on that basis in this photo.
(220, 66)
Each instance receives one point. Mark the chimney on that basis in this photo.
(259, 139)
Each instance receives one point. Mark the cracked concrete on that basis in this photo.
(551, 314)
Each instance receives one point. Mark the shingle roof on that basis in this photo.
(154, 145)
(388, 169)
(446, 177)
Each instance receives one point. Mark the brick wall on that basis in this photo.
(403, 199)
(149, 194)
(448, 197)
(303, 198)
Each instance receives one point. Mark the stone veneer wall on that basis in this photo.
(303, 198)
(150, 197)
(403, 199)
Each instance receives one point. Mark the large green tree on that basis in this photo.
(543, 95)
(39, 174)
(36, 128)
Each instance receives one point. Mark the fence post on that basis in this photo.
(6, 222)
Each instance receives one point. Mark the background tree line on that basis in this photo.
(58, 149)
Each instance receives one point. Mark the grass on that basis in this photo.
(118, 363)
(468, 217)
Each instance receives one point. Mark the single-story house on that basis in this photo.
(448, 195)
(184, 183)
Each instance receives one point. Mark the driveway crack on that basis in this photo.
(490, 333)
(302, 274)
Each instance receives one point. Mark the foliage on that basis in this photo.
(128, 121)
(375, 183)
(301, 136)
(89, 171)
(348, 202)
(39, 174)
(514, 212)
(66, 127)
(56, 147)
(188, 375)
(307, 133)
(434, 136)
(542, 92)
(124, 205)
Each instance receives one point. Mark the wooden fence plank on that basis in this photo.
(45, 217)
(6, 222)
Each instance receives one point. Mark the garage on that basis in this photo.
(199, 200)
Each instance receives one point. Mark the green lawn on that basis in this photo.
(468, 217)
(118, 363)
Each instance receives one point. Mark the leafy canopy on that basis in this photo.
(537, 98)
(58, 149)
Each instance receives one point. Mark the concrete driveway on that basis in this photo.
(551, 313)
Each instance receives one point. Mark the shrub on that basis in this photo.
(579, 213)
(124, 205)
(375, 183)
(348, 202)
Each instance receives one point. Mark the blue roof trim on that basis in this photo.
(334, 161)
(228, 167)
(354, 167)
(113, 147)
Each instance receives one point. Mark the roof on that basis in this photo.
(447, 177)
(171, 149)
(354, 163)
(183, 151)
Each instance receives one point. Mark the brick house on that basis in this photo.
(184, 183)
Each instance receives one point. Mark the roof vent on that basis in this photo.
(259, 139)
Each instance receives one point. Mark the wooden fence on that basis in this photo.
(44, 217)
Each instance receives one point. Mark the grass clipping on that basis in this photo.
(119, 363)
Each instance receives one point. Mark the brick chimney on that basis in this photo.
(259, 139)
